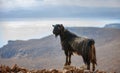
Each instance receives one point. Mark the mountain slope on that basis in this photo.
(113, 25)
(47, 52)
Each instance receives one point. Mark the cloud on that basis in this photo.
(13, 4)
(85, 3)
(59, 8)
(26, 4)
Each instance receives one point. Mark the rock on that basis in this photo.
(3, 69)
(87, 71)
(80, 70)
(55, 71)
(23, 70)
(66, 69)
(15, 68)
(72, 69)
(69, 67)
(8, 69)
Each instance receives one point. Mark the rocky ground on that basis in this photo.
(67, 69)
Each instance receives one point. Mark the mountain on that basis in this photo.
(47, 52)
(113, 25)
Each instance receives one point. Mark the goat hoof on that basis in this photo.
(65, 64)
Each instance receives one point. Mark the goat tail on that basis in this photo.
(93, 52)
(89, 53)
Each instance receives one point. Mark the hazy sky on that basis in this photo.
(29, 4)
(30, 19)
(109, 9)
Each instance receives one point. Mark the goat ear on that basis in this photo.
(53, 25)
(62, 26)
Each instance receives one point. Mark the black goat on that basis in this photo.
(72, 43)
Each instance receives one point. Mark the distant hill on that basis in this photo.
(47, 52)
(113, 25)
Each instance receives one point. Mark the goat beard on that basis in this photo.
(56, 35)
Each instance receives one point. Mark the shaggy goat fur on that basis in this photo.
(72, 43)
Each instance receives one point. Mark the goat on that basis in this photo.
(71, 43)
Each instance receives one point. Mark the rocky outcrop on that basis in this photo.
(67, 69)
